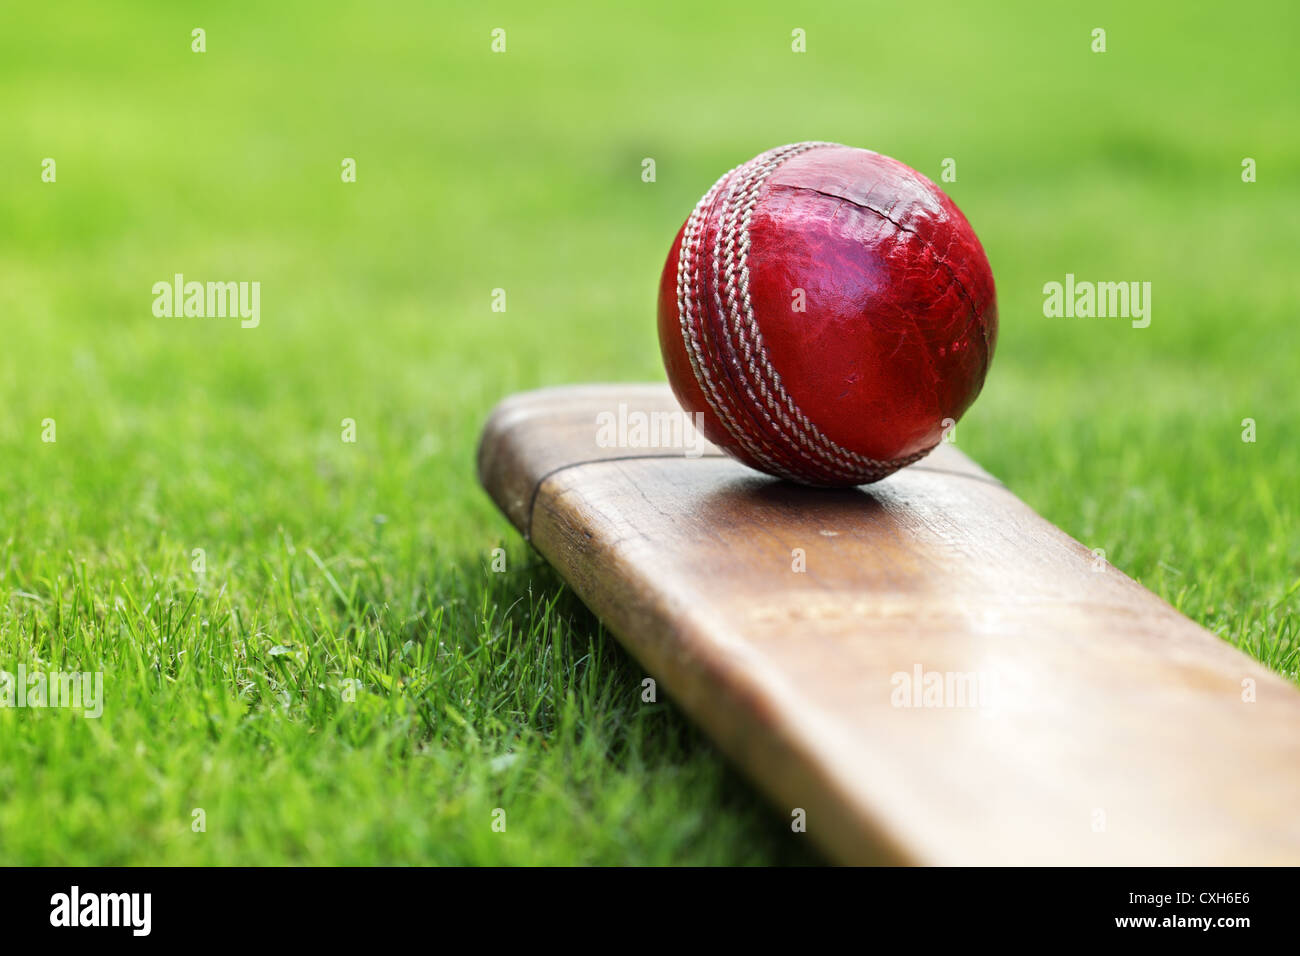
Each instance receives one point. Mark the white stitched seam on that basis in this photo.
(754, 179)
(722, 348)
(834, 457)
(687, 305)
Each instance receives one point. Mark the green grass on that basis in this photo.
(330, 562)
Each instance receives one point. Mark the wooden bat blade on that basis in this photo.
(928, 669)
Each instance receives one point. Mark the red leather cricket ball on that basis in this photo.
(827, 310)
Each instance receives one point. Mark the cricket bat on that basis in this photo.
(923, 670)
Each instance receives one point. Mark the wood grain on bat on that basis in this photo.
(1105, 727)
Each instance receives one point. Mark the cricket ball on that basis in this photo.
(828, 312)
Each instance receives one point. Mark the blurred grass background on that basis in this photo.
(476, 171)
